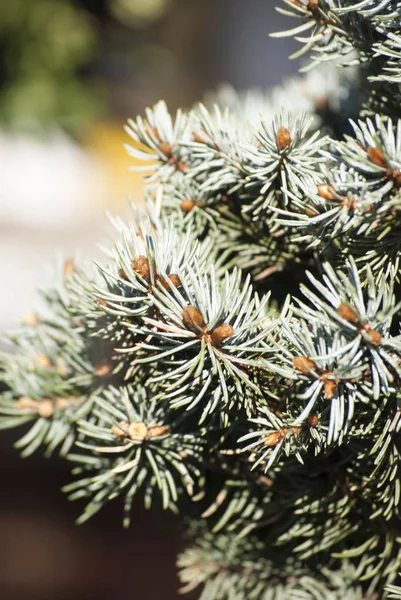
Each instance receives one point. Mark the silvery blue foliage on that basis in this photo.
(236, 355)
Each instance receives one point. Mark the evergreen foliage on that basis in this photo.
(237, 355)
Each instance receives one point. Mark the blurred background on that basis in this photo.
(71, 73)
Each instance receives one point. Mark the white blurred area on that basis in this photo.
(49, 184)
(53, 197)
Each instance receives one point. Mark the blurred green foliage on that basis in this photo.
(47, 52)
(45, 47)
(138, 12)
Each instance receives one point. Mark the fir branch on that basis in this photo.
(139, 446)
(226, 571)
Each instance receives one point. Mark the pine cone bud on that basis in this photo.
(26, 403)
(156, 134)
(120, 430)
(377, 157)
(102, 370)
(375, 337)
(265, 480)
(311, 4)
(283, 138)
(330, 388)
(123, 274)
(166, 149)
(157, 431)
(397, 177)
(137, 431)
(192, 319)
(199, 138)
(221, 333)
(170, 280)
(182, 166)
(311, 211)
(187, 205)
(349, 313)
(45, 408)
(274, 438)
(304, 365)
(62, 402)
(326, 192)
(313, 421)
(141, 266)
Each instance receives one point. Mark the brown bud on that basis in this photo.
(69, 268)
(350, 203)
(397, 177)
(311, 211)
(101, 302)
(349, 313)
(311, 4)
(330, 388)
(170, 280)
(200, 139)
(274, 438)
(102, 370)
(182, 166)
(187, 205)
(265, 480)
(120, 430)
(326, 192)
(137, 431)
(192, 319)
(377, 157)
(221, 333)
(26, 403)
(61, 402)
(266, 321)
(175, 280)
(283, 138)
(321, 102)
(45, 408)
(141, 266)
(44, 361)
(304, 365)
(156, 134)
(166, 149)
(123, 274)
(313, 421)
(157, 431)
(375, 337)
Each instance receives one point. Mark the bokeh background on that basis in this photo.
(71, 73)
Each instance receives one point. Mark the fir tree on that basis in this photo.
(237, 355)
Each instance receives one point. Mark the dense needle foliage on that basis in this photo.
(237, 355)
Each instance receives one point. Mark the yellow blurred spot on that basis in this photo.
(106, 141)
